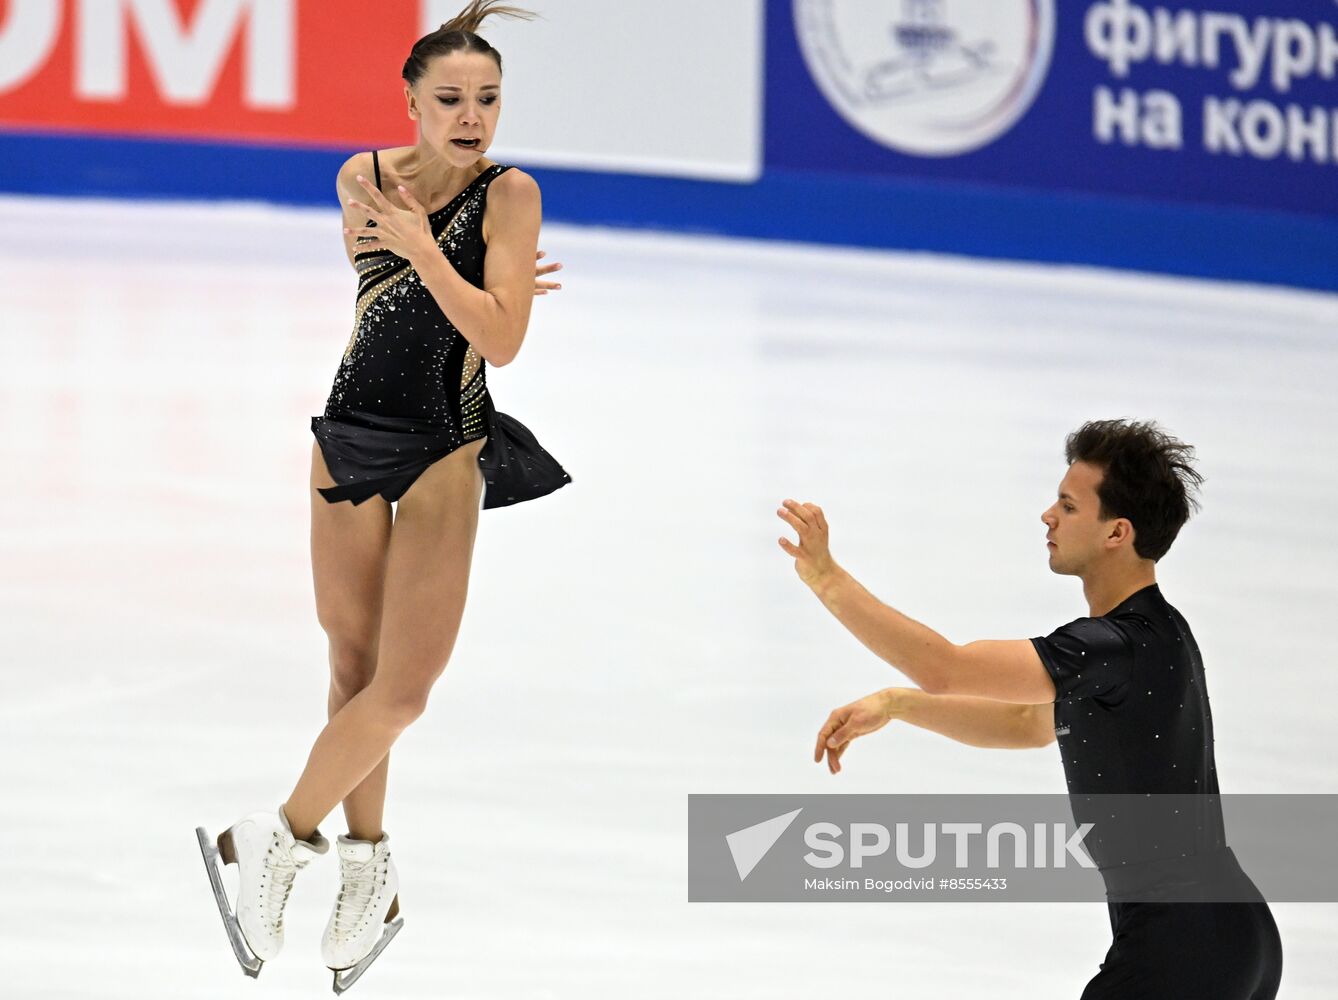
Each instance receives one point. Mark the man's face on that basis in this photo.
(1076, 534)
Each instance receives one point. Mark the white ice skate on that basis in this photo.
(365, 917)
(268, 858)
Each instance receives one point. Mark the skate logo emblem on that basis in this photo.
(939, 78)
(750, 845)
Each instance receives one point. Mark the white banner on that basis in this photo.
(630, 86)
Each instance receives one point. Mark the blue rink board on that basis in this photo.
(869, 211)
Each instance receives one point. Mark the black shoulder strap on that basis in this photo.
(376, 166)
(493, 172)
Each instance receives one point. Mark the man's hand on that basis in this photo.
(812, 559)
(859, 718)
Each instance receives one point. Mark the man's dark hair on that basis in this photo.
(1146, 477)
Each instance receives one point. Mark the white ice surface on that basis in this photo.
(635, 637)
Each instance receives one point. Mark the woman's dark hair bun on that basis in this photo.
(472, 17)
(460, 33)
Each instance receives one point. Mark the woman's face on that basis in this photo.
(456, 104)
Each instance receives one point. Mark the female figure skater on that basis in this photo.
(445, 249)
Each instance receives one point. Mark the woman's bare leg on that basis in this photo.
(365, 806)
(349, 546)
(423, 599)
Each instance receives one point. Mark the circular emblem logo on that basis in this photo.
(928, 77)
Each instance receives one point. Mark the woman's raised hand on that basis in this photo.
(403, 231)
(544, 287)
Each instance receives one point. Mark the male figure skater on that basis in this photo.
(1123, 691)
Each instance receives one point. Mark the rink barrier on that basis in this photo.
(876, 212)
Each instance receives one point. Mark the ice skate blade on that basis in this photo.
(344, 978)
(245, 958)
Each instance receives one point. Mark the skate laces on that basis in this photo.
(358, 884)
(282, 869)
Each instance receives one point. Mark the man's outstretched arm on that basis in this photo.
(1003, 670)
(977, 722)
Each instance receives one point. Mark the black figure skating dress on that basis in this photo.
(410, 389)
